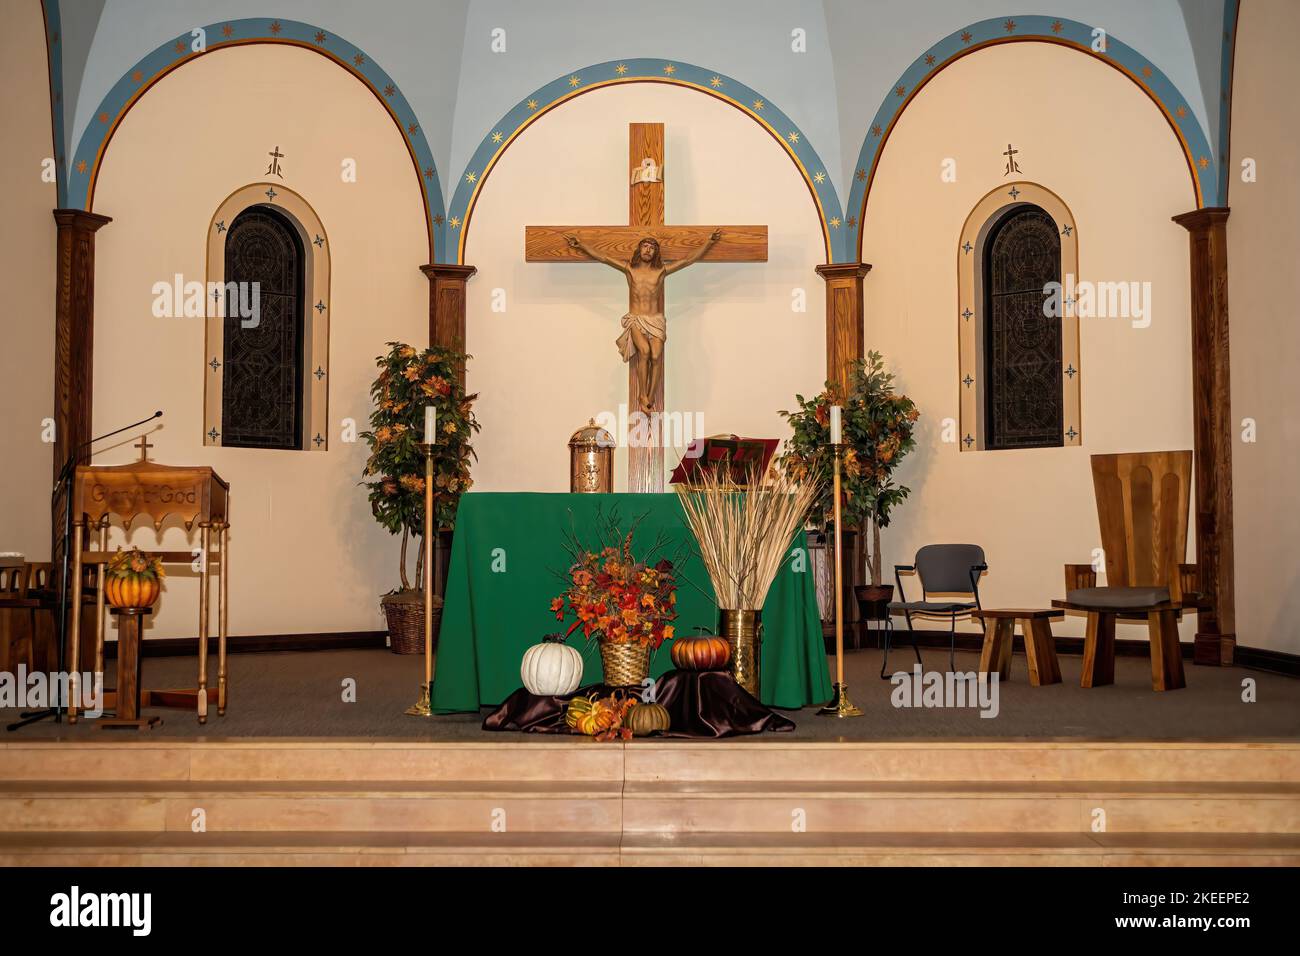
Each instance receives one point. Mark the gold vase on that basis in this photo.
(743, 630)
(625, 665)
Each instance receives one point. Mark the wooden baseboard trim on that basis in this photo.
(258, 643)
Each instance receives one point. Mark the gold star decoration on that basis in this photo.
(574, 81)
(819, 178)
(454, 222)
(715, 82)
(929, 59)
(901, 91)
(669, 69)
(471, 177)
(759, 104)
(1146, 71)
(137, 76)
(835, 221)
(1057, 26)
(320, 36)
(1203, 162)
(180, 46)
(438, 220)
(862, 175)
(851, 221)
(793, 137)
(389, 90)
(358, 59)
(428, 172)
(876, 130)
(412, 129)
(532, 104)
(965, 36)
(1009, 26)
(497, 137)
(276, 28)
(81, 166)
(621, 69)
(103, 117)
(227, 30)
(1181, 111)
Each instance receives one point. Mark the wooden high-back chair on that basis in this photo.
(15, 618)
(1142, 507)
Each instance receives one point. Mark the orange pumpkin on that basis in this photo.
(134, 590)
(703, 653)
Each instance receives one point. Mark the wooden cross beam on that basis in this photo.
(645, 219)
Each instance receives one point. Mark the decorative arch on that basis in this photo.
(1202, 165)
(673, 72)
(970, 308)
(127, 91)
(316, 292)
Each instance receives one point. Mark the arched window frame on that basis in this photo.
(970, 310)
(316, 301)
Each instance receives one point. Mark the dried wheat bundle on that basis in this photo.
(744, 531)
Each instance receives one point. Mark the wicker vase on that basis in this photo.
(626, 665)
(743, 630)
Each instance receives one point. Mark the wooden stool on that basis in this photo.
(129, 695)
(1040, 648)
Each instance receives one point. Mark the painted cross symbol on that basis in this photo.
(1013, 192)
(144, 444)
(968, 440)
(1010, 154)
(214, 363)
(967, 314)
(967, 247)
(213, 433)
(274, 168)
(968, 381)
(271, 194)
(319, 242)
(221, 227)
(1071, 371)
(318, 440)
(320, 306)
(319, 373)
(1072, 434)
(1066, 230)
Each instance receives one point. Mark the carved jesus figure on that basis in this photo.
(644, 328)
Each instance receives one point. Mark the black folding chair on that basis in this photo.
(943, 569)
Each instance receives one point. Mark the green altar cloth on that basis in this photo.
(508, 561)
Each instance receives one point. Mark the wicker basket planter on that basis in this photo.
(625, 665)
(405, 613)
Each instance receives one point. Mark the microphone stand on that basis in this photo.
(62, 484)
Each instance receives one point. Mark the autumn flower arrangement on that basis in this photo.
(878, 425)
(617, 599)
(408, 380)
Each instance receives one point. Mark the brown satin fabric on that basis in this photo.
(699, 704)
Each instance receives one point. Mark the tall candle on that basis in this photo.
(835, 425)
(430, 424)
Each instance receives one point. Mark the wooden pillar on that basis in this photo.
(1216, 635)
(845, 337)
(74, 339)
(447, 305)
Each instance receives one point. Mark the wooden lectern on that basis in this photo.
(198, 496)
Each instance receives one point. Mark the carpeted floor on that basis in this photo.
(297, 694)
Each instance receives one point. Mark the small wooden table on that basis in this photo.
(129, 697)
(1040, 648)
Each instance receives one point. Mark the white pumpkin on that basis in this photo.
(551, 669)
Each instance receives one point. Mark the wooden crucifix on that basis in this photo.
(646, 251)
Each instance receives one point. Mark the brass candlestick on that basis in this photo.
(840, 705)
(422, 708)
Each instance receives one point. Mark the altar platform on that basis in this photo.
(1193, 777)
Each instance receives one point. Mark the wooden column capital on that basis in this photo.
(447, 305)
(80, 219)
(845, 338)
(1213, 430)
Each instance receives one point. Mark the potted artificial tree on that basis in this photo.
(408, 380)
(877, 429)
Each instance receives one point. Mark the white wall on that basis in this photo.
(27, 248)
(1263, 287)
(1088, 134)
(736, 351)
(306, 555)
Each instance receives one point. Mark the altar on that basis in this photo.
(508, 561)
